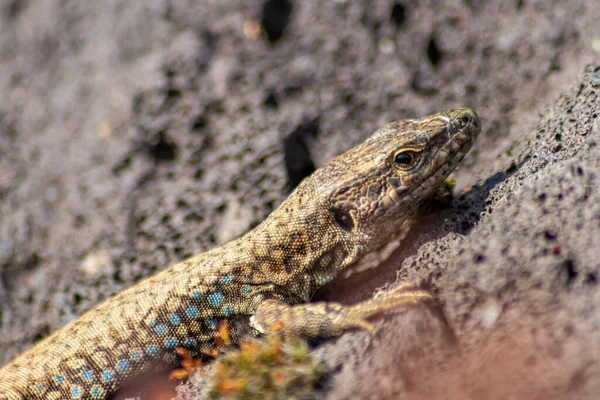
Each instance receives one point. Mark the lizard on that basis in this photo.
(347, 208)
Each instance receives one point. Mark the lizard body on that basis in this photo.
(347, 208)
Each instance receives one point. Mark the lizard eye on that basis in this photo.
(405, 158)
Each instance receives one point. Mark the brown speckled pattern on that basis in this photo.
(349, 207)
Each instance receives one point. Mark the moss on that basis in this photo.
(443, 194)
(272, 368)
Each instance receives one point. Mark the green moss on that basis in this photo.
(272, 368)
(444, 192)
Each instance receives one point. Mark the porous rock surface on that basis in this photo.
(136, 133)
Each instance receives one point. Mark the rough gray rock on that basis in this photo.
(515, 265)
(136, 133)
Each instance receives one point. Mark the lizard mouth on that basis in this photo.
(454, 133)
(463, 127)
(452, 142)
(465, 123)
(448, 146)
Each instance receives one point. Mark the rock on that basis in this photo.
(137, 129)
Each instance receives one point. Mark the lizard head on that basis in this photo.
(357, 201)
(374, 187)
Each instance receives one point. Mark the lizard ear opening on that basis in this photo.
(343, 219)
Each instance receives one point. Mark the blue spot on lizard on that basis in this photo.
(215, 299)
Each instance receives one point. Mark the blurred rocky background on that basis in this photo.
(134, 134)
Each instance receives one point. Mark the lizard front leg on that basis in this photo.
(327, 319)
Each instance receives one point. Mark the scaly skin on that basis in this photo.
(347, 208)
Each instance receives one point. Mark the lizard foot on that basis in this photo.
(327, 319)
